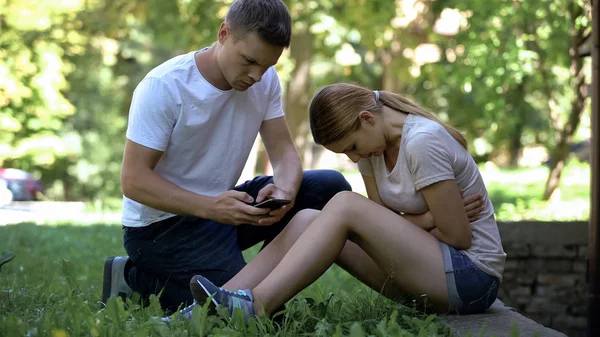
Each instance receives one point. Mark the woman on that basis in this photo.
(413, 234)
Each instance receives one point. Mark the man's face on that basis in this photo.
(244, 59)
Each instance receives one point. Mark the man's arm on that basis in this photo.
(287, 168)
(139, 182)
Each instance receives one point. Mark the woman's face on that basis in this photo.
(367, 141)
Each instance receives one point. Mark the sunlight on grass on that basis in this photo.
(516, 194)
(53, 288)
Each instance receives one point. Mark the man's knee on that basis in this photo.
(318, 187)
(330, 181)
(335, 180)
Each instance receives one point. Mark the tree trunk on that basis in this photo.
(388, 79)
(67, 187)
(560, 153)
(515, 145)
(298, 94)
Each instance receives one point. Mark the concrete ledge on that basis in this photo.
(544, 232)
(497, 321)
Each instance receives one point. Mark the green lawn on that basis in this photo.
(516, 193)
(53, 285)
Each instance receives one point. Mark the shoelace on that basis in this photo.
(187, 310)
(239, 293)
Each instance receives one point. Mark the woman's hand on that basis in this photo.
(473, 206)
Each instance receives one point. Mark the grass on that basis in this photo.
(53, 285)
(516, 194)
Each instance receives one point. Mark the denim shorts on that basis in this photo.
(470, 290)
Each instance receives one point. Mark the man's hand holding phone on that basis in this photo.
(233, 207)
(238, 208)
(275, 200)
(272, 203)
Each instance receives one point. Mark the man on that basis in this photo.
(192, 123)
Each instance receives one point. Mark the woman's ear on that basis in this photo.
(366, 117)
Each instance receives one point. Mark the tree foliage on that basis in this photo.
(507, 77)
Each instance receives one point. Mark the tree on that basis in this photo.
(71, 70)
(516, 65)
(578, 27)
(33, 107)
(327, 30)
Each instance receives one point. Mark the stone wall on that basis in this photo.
(545, 273)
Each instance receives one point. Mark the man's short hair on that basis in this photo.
(269, 19)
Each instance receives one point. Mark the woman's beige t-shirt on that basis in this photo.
(429, 154)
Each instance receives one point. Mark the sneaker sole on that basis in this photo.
(200, 293)
(107, 281)
(111, 281)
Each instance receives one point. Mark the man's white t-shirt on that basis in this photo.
(429, 154)
(206, 134)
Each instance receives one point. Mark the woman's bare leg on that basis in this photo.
(359, 264)
(353, 259)
(268, 258)
(396, 246)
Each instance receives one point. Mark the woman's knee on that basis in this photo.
(345, 204)
(345, 199)
(350, 210)
(302, 220)
(306, 216)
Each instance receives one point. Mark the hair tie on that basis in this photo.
(376, 92)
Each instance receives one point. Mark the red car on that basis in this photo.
(22, 185)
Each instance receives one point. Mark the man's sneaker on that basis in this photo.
(114, 283)
(186, 313)
(203, 289)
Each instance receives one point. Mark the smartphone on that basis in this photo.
(272, 203)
